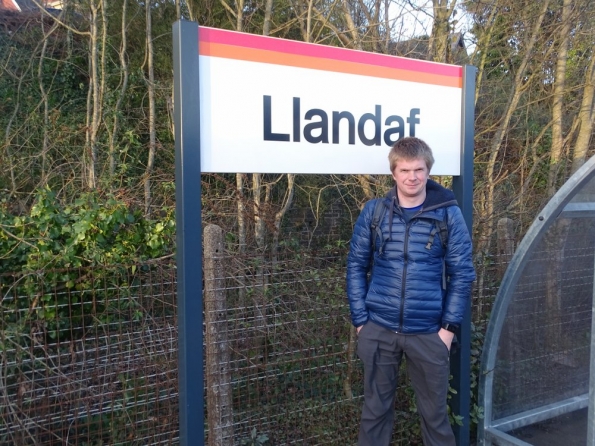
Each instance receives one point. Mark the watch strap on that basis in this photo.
(450, 327)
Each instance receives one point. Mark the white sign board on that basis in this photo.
(276, 106)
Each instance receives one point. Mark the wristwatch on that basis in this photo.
(450, 327)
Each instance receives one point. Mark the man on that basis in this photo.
(407, 306)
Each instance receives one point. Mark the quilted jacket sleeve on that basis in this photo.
(358, 264)
(459, 268)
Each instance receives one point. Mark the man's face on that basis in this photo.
(411, 177)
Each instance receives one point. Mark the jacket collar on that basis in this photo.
(437, 196)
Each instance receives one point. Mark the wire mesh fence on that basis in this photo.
(89, 356)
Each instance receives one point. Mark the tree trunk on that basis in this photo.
(151, 92)
(240, 15)
(260, 278)
(438, 47)
(94, 110)
(558, 100)
(288, 200)
(268, 12)
(352, 29)
(121, 94)
(483, 42)
(259, 221)
(44, 100)
(585, 118)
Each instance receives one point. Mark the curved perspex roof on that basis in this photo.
(538, 356)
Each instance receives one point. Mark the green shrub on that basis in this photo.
(63, 240)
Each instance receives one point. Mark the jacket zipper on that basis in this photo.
(404, 278)
(405, 263)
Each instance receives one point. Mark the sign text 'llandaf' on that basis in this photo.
(318, 131)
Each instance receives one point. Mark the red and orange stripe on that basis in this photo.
(254, 48)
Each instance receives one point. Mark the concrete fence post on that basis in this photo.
(505, 244)
(218, 376)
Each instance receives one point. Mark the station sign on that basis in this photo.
(270, 105)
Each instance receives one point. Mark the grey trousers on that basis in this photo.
(428, 367)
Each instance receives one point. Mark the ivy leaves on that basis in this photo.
(95, 230)
(62, 241)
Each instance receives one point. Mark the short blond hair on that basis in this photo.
(410, 148)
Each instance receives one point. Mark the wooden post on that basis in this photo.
(505, 244)
(510, 354)
(219, 397)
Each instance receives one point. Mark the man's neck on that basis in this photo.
(411, 202)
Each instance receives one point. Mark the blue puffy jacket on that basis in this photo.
(404, 291)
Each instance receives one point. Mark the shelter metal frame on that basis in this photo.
(496, 431)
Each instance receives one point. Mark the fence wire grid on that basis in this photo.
(89, 356)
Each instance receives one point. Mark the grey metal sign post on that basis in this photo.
(189, 241)
(189, 234)
(463, 189)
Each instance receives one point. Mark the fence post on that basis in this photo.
(219, 397)
(505, 246)
(505, 243)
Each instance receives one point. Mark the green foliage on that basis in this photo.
(56, 239)
(94, 230)
(477, 340)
